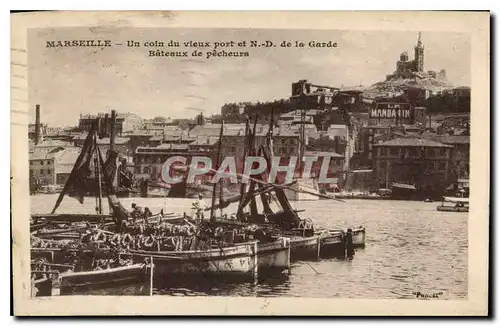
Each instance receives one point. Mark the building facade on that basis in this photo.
(423, 163)
(125, 122)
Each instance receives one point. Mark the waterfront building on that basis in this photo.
(41, 168)
(421, 162)
(148, 161)
(52, 167)
(124, 121)
(460, 153)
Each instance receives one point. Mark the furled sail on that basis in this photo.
(77, 183)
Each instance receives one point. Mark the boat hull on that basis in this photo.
(239, 261)
(304, 248)
(333, 241)
(453, 209)
(71, 282)
(358, 237)
(274, 256)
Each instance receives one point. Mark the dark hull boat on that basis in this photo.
(444, 208)
(305, 248)
(71, 282)
(52, 283)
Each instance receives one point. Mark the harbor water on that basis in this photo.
(410, 247)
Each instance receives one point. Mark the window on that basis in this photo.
(442, 151)
(383, 151)
(41, 172)
(442, 166)
(41, 162)
(48, 162)
(31, 162)
(49, 172)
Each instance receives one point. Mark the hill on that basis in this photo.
(396, 87)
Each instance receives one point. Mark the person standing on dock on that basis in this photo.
(136, 212)
(199, 207)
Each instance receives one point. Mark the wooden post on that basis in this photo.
(288, 262)
(151, 277)
(319, 247)
(256, 264)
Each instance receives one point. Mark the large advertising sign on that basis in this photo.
(391, 111)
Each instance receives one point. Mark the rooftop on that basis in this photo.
(411, 142)
(204, 141)
(53, 143)
(322, 154)
(118, 141)
(452, 139)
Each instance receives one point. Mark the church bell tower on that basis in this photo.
(419, 54)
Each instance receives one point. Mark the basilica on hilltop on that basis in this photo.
(406, 69)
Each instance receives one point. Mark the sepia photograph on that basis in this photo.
(249, 162)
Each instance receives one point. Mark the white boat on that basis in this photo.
(456, 204)
(239, 260)
(307, 188)
(274, 256)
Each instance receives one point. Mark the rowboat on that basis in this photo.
(53, 282)
(74, 281)
(358, 237)
(460, 205)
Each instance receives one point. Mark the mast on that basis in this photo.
(214, 191)
(302, 132)
(245, 151)
(112, 131)
(99, 182)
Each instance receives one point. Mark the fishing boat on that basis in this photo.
(57, 238)
(275, 256)
(71, 282)
(56, 282)
(304, 248)
(454, 204)
(235, 261)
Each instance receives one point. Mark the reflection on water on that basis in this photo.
(410, 247)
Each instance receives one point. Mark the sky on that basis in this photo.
(69, 81)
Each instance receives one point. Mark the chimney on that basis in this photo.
(38, 134)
